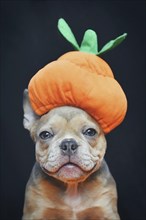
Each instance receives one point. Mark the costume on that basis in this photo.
(80, 79)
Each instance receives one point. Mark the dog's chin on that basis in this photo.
(70, 173)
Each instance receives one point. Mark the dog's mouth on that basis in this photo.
(70, 172)
(69, 166)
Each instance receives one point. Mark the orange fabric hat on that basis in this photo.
(83, 80)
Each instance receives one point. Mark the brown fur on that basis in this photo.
(45, 197)
(89, 191)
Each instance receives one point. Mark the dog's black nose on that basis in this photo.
(68, 146)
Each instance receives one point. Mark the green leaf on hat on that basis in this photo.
(89, 42)
(67, 33)
(112, 44)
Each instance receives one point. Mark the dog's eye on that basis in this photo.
(45, 135)
(90, 132)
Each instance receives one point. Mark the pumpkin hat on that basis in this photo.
(80, 79)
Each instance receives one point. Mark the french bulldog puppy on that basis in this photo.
(70, 179)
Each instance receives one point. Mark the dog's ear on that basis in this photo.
(29, 115)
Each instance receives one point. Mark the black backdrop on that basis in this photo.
(29, 40)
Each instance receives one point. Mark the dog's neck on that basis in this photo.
(72, 195)
(72, 189)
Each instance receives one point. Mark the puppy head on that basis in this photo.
(70, 145)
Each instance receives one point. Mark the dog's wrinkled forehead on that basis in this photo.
(69, 115)
(68, 112)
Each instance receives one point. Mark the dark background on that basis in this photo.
(29, 40)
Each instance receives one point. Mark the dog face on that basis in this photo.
(69, 144)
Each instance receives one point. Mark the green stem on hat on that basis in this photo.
(89, 43)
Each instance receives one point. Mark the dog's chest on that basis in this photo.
(73, 209)
(80, 208)
(74, 205)
(73, 201)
